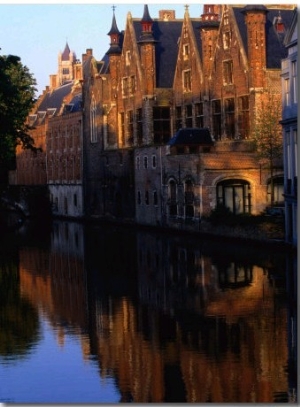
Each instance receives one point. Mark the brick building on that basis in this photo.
(163, 74)
(158, 77)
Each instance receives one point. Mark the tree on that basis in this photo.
(267, 134)
(17, 91)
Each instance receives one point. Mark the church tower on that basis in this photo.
(66, 62)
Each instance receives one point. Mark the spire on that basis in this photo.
(114, 34)
(66, 53)
(147, 24)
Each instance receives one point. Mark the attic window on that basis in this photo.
(69, 108)
(51, 112)
(41, 116)
(278, 24)
(31, 119)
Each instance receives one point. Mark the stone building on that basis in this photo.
(163, 74)
(289, 125)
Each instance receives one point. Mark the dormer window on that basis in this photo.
(278, 24)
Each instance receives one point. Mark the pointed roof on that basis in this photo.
(147, 24)
(114, 34)
(146, 17)
(66, 53)
(114, 28)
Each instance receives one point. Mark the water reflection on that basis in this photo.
(169, 319)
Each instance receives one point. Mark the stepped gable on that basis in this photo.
(166, 35)
(191, 136)
(275, 50)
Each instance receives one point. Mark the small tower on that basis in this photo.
(66, 61)
(209, 29)
(114, 34)
(147, 43)
(255, 19)
(114, 53)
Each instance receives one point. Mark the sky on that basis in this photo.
(37, 32)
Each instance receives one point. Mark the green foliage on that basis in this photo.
(267, 132)
(17, 90)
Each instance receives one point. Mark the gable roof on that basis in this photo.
(192, 136)
(54, 99)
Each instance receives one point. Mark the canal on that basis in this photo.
(107, 314)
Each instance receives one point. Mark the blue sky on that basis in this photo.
(38, 32)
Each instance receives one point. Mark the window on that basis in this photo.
(229, 118)
(127, 58)
(227, 72)
(216, 116)
(189, 199)
(294, 79)
(145, 162)
(187, 84)
(287, 91)
(137, 163)
(132, 85)
(186, 51)
(122, 129)
(155, 198)
(139, 197)
(172, 198)
(278, 190)
(147, 197)
(161, 124)
(199, 114)
(226, 39)
(65, 71)
(139, 128)
(189, 116)
(295, 152)
(178, 118)
(234, 194)
(130, 127)
(243, 117)
(154, 161)
(93, 128)
(125, 85)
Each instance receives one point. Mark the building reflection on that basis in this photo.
(54, 279)
(170, 319)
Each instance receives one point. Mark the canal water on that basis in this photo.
(106, 314)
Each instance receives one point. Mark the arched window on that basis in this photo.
(189, 199)
(172, 198)
(234, 194)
